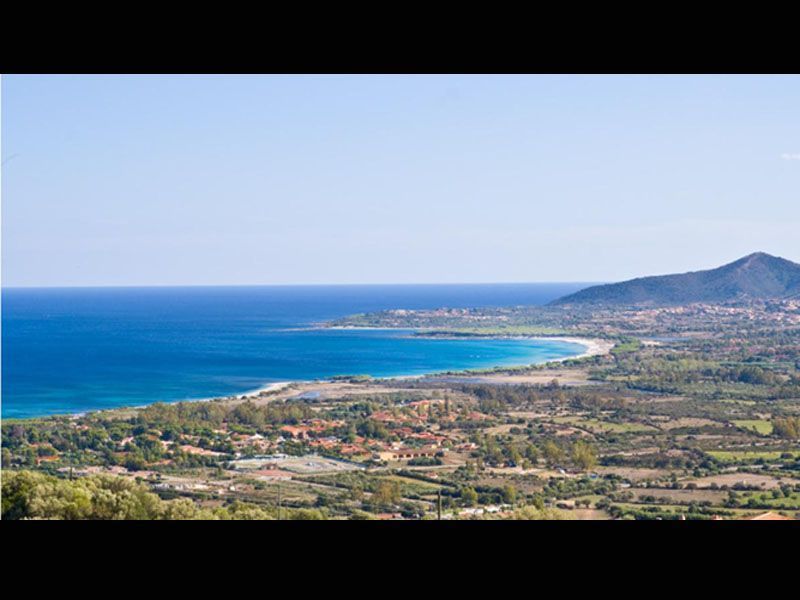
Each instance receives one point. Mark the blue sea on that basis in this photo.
(72, 350)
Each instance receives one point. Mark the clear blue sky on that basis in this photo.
(158, 180)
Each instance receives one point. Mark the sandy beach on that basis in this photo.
(271, 387)
(285, 389)
(594, 346)
(282, 390)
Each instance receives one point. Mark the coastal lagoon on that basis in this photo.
(82, 349)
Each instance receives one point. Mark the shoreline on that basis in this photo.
(592, 347)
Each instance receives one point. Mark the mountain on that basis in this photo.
(756, 276)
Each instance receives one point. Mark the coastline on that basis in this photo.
(592, 347)
(265, 389)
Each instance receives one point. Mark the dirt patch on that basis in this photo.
(566, 377)
(766, 482)
(634, 474)
(589, 514)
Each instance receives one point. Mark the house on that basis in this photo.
(427, 436)
(352, 450)
(385, 417)
(297, 432)
(408, 453)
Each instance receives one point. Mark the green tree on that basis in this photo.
(531, 513)
(469, 496)
(553, 453)
(787, 427)
(32, 495)
(583, 456)
(509, 494)
(386, 494)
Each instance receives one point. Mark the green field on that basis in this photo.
(604, 426)
(625, 347)
(730, 513)
(791, 503)
(749, 456)
(410, 485)
(758, 425)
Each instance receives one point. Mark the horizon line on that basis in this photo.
(242, 285)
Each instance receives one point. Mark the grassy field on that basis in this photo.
(626, 347)
(758, 425)
(746, 456)
(682, 509)
(791, 503)
(604, 426)
(414, 486)
(736, 401)
(678, 497)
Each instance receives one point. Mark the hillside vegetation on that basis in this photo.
(757, 276)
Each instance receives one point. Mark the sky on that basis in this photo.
(229, 180)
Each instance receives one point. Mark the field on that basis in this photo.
(748, 456)
(757, 425)
(604, 426)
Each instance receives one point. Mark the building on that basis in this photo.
(297, 432)
(408, 453)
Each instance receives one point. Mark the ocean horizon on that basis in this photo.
(71, 350)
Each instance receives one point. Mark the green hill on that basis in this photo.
(756, 276)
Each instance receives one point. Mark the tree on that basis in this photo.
(514, 455)
(787, 427)
(386, 494)
(509, 494)
(531, 513)
(553, 454)
(583, 456)
(32, 495)
(469, 496)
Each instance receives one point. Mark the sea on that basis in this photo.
(74, 350)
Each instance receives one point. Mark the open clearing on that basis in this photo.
(767, 482)
(757, 425)
(680, 496)
(571, 377)
(295, 464)
(746, 455)
(604, 426)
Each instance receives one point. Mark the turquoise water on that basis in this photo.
(81, 349)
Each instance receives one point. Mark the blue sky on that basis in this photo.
(159, 180)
